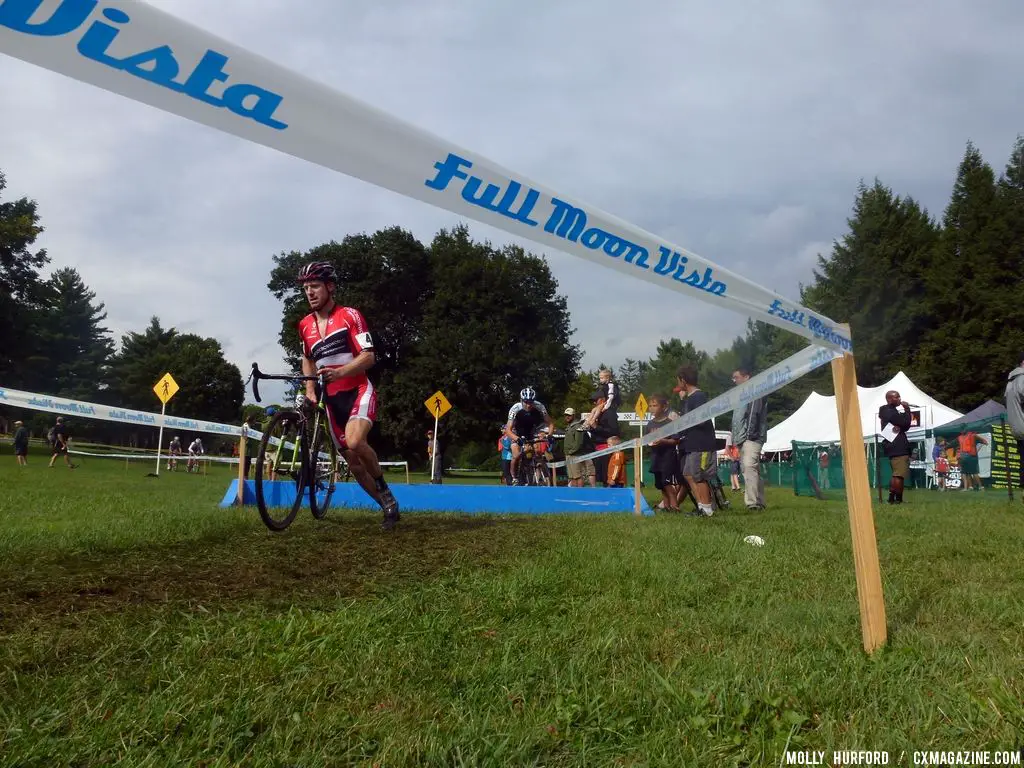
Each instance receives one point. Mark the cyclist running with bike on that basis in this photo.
(525, 419)
(337, 346)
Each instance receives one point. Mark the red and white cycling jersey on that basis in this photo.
(345, 337)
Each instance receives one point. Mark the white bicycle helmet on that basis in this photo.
(528, 394)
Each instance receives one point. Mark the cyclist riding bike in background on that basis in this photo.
(175, 451)
(195, 450)
(525, 420)
(337, 346)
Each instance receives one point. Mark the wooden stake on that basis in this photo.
(858, 499)
(637, 471)
(240, 500)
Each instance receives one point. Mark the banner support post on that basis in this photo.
(858, 499)
(160, 438)
(434, 442)
(637, 471)
(240, 498)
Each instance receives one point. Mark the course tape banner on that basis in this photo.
(133, 49)
(183, 458)
(36, 402)
(766, 382)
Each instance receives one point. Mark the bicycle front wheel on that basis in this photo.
(323, 469)
(280, 459)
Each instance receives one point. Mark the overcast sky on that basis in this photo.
(738, 130)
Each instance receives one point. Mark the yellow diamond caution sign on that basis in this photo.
(438, 404)
(165, 388)
(641, 407)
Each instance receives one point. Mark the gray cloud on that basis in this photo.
(738, 132)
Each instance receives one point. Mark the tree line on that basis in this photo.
(53, 341)
(939, 299)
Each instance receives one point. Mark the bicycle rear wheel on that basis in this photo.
(280, 458)
(323, 469)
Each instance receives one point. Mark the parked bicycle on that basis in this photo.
(296, 447)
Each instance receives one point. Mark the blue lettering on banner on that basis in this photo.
(829, 334)
(673, 262)
(452, 167)
(821, 357)
(3, 395)
(565, 221)
(570, 223)
(774, 380)
(132, 417)
(789, 315)
(48, 404)
(819, 329)
(157, 65)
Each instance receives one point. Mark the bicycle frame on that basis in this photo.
(255, 375)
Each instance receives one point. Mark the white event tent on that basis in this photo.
(816, 420)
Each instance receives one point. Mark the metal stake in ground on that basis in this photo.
(165, 389)
(437, 406)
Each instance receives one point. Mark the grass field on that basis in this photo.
(141, 623)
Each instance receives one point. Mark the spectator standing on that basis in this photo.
(1015, 411)
(733, 452)
(577, 442)
(616, 465)
(700, 448)
(940, 464)
(435, 455)
(59, 439)
(749, 432)
(896, 447)
(968, 456)
(21, 443)
(824, 460)
(505, 451)
(606, 426)
(668, 476)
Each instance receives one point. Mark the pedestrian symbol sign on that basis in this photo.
(438, 404)
(165, 388)
(641, 407)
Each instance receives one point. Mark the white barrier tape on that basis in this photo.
(62, 405)
(764, 383)
(133, 49)
(164, 458)
(185, 457)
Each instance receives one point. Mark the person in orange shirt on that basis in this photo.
(968, 455)
(733, 454)
(616, 466)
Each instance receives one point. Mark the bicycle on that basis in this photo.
(533, 465)
(296, 445)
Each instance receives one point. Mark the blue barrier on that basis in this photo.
(485, 499)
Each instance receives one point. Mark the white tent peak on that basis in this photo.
(816, 421)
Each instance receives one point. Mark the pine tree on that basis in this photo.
(974, 295)
(20, 292)
(630, 378)
(1011, 193)
(875, 280)
(75, 345)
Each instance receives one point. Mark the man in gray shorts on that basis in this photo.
(581, 470)
(700, 458)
